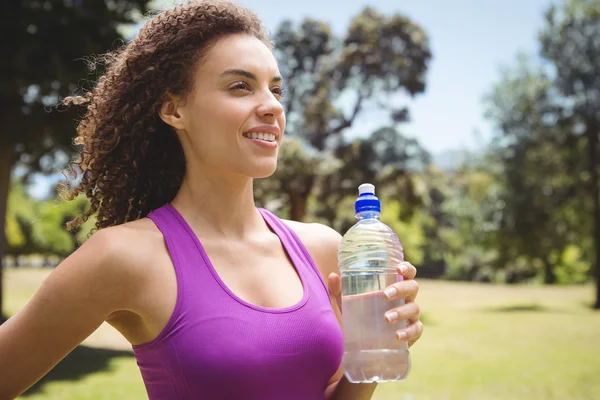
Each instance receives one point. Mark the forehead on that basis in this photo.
(240, 52)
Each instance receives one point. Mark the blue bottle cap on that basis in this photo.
(367, 201)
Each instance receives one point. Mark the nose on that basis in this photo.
(270, 107)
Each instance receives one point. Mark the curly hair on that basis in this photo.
(131, 162)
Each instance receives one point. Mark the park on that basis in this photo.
(504, 230)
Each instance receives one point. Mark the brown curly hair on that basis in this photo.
(131, 162)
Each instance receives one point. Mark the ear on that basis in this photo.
(170, 112)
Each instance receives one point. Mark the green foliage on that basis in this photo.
(21, 213)
(572, 266)
(39, 227)
(546, 148)
(44, 61)
(570, 43)
(409, 232)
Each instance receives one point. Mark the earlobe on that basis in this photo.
(169, 113)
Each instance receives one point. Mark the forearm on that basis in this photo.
(344, 390)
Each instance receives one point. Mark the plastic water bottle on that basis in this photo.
(368, 256)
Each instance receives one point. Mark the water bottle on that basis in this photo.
(368, 256)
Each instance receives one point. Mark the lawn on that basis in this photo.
(481, 342)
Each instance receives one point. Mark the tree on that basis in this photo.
(42, 62)
(380, 56)
(549, 122)
(384, 158)
(570, 41)
(538, 165)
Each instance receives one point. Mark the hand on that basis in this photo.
(407, 289)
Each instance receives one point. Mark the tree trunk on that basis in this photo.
(549, 275)
(592, 134)
(6, 158)
(299, 199)
(298, 208)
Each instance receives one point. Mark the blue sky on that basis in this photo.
(470, 40)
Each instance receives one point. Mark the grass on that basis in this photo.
(480, 342)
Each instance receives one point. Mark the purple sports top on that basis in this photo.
(218, 346)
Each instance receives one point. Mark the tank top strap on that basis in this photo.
(290, 237)
(170, 223)
(181, 241)
(179, 244)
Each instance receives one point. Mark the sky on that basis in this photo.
(469, 40)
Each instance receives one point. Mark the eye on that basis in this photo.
(279, 91)
(238, 86)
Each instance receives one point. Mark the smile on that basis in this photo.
(267, 137)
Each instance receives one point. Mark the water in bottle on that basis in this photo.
(368, 256)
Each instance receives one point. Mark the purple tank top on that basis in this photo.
(217, 346)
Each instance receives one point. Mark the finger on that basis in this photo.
(402, 290)
(335, 289)
(409, 311)
(407, 270)
(411, 333)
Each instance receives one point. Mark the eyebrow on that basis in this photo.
(247, 74)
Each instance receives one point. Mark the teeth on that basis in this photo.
(269, 137)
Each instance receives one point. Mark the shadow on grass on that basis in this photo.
(81, 362)
(517, 308)
(590, 305)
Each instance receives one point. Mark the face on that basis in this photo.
(233, 120)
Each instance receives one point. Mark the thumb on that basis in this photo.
(335, 289)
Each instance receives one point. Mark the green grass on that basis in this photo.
(480, 342)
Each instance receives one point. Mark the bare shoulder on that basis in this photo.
(129, 245)
(322, 243)
(128, 253)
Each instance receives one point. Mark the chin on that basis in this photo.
(265, 174)
(262, 171)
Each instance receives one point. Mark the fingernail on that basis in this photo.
(390, 292)
(403, 268)
(401, 335)
(391, 317)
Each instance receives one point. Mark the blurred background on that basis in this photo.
(478, 122)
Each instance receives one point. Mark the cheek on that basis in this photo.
(234, 113)
(214, 132)
(218, 120)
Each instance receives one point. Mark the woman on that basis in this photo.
(219, 299)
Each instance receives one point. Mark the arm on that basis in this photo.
(74, 300)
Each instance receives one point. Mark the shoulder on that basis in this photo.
(119, 257)
(124, 244)
(321, 241)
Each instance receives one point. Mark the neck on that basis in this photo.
(218, 205)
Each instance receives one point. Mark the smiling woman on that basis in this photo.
(218, 298)
(236, 94)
